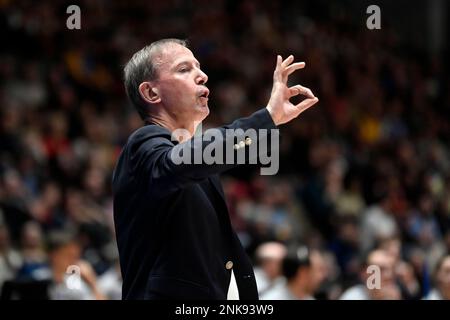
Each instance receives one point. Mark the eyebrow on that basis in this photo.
(186, 62)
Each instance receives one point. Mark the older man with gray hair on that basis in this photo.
(172, 225)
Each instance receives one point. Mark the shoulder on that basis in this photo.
(278, 292)
(433, 295)
(357, 292)
(148, 132)
(140, 147)
(146, 138)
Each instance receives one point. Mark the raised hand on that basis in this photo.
(279, 106)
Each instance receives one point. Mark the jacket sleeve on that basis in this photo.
(171, 165)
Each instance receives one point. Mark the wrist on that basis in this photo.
(276, 120)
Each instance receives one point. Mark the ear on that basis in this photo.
(149, 93)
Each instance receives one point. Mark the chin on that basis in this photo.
(204, 111)
(204, 115)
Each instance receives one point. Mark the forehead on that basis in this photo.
(316, 258)
(446, 264)
(172, 54)
(380, 259)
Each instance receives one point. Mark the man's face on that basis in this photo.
(272, 267)
(443, 275)
(181, 84)
(66, 255)
(388, 287)
(386, 263)
(318, 272)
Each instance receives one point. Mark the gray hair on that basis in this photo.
(142, 67)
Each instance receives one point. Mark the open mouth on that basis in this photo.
(203, 97)
(204, 93)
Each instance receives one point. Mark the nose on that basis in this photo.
(202, 78)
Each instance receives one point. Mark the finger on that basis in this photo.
(298, 89)
(288, 61)
(294, 66)
(306, 104)
(276, 73)
(278, 64)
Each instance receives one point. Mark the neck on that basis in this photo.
(182, 131)
(58, 273)
(298, 290)
(445, 293)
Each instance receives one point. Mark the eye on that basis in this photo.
(184, 69)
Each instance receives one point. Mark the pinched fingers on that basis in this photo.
(306, 104)
(298, 89)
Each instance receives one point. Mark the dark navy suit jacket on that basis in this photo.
(172, 225)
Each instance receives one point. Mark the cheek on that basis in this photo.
(170, 96)
(177, 89)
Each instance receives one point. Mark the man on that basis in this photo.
(371, 289)
(173, 231)
(64, 253)
(268, 271)
(441, 291)
(305, 272)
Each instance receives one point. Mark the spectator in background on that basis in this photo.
(64, 257)
(404, 271)
(14, 202)
(94, 233)
(422, 222)
(110, 282)
(388, 289)
(377, 223)
(304, 272)
(268, 270)
(35, 265)
(441, 289)
(10, 259)
(345, 247)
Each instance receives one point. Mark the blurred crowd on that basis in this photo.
(364, 176)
